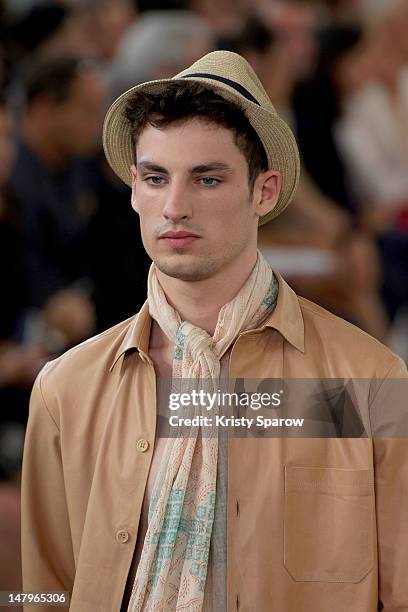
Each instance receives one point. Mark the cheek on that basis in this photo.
(232, 218)
(147, 235)
(149, 219)
(146, 220)
(147, 208)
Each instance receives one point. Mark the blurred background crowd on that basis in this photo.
(72, 262)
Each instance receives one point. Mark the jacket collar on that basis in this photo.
(137, 336)
(286, 318)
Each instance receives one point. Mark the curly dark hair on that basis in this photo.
(184, 101)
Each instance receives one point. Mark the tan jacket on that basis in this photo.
(314, 524)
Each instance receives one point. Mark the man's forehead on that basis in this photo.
(150, 165)
(192, 126)
(193, 143)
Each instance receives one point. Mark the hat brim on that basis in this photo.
(276, 136)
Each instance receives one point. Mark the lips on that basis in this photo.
(179, 240)
(179, 235)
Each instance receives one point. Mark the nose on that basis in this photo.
(178, 203)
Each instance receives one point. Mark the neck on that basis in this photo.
(43, 145)
(200, 302)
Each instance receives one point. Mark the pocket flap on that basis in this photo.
(329, 529)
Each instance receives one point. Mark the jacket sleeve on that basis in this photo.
(389, 418)
(47, 555)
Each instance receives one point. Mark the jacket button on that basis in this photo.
(142, 445)
(122, 536)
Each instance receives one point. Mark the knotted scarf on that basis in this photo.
(173, 567)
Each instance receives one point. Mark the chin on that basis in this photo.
(191, 271)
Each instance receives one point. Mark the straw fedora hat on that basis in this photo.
(230, 76)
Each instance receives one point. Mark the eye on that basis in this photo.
(209, 181)
(154, 180)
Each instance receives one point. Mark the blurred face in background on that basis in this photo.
(386, 50)
(7, 145)
(223, 16)
(395, 27)
(295, 26)
(77, 120)
(355, 68)
(108, 24)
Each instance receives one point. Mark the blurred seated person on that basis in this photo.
(315, 243)
(372, 134)
(19, 363)
(372, 130)
(366, 123)
(60, 128)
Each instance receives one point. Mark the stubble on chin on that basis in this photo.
(189, 272)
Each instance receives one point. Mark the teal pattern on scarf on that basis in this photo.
(179, 347)
(272, 294)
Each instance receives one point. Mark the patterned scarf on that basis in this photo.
(183, 513)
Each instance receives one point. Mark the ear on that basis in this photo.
(133, 196)
(267, 188)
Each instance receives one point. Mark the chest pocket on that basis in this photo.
(329, 524)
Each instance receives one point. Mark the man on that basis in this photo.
(124, 518)
(50, 182)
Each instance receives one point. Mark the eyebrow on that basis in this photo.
(216, 166)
